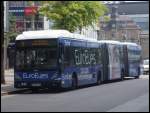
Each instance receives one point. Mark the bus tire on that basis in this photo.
(122, 74)
(139, 71)
(74, 82)
(34, 90)
(137, 77)
(99, 81)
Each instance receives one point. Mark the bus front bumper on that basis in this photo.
(37, 84)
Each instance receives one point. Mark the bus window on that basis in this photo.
(67, 56)
(20, 57)
(98, 56)
(133, 55)
(37, 58)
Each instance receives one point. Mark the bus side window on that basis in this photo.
(67, 55)
(98, 56)
(61, 54)
(72, 63)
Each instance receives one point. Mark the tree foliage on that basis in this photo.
(11, 35)
(72, 15)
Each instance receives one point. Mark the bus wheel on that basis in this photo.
(74, 82)
(34, 90)
(122, 78)
(137, 77)
(99, 78)
(122, 75)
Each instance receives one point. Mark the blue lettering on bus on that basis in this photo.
(35, 76)
(85, 57)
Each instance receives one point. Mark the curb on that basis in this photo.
(13, 92)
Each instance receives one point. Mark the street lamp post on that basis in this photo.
(2, 44)
(6, 39)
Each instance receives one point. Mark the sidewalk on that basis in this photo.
(9, 76)
(8, 87)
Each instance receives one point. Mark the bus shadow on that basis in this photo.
(54, 90)
(58, 91)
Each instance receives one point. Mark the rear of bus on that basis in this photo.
(133, 62)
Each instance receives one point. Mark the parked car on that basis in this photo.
(146, 66)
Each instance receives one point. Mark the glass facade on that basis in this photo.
(23, 22)
(16, 3)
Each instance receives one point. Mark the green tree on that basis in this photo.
(11, 35)
(31, 3)
(72, 15)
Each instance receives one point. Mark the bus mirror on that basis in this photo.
(60, 61)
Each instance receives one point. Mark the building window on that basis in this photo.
(16, 3)
(144, 25)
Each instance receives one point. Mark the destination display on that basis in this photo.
(30, 43)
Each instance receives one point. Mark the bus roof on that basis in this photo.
(110, 41)
(51, 34)
(43, 34)
(129, 43)
(132, 45)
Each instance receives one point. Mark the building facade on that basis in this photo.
(132, 23)
(27, 20)
(26, 15)
(123, 29)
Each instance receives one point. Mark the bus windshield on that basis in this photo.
(36, 58)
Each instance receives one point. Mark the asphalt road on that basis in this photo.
(127, 95)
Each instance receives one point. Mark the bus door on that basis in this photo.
(125, 59)
(114, 62)
(105, 62)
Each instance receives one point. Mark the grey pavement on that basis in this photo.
(8, 87)
(140, 104)
(9, 79)
(9, 76)
(128, 95)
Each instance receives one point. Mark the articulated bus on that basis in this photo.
(58, 58)
(111, 56)
(132, 59)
